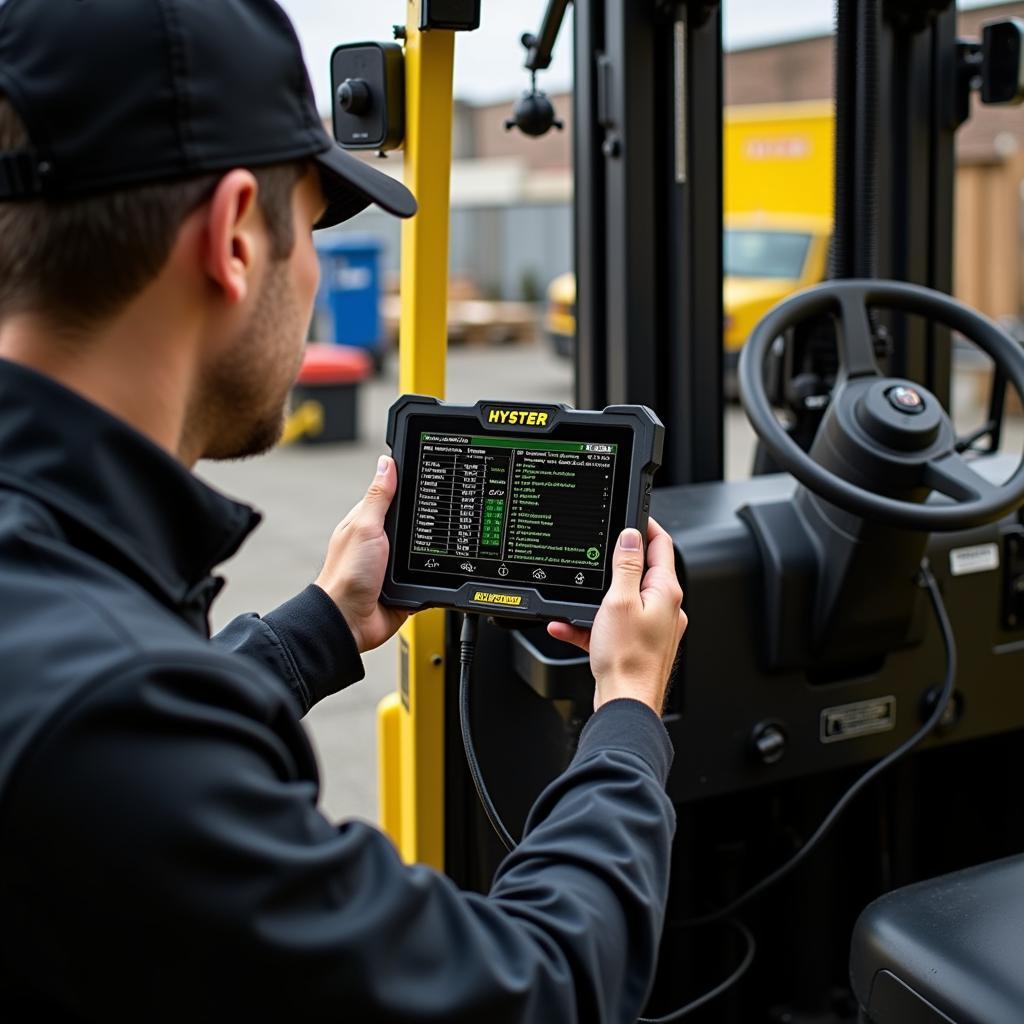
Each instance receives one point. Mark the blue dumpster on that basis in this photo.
(348, 303)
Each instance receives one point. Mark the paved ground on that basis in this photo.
(304, 491)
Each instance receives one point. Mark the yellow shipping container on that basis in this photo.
(778, 159)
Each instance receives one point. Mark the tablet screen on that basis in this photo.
(514, 510)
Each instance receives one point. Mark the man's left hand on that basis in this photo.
(357, 556)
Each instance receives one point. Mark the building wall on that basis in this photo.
(782, 73)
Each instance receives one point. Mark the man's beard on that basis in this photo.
(247, 391)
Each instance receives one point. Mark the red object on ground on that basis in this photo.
(334, 364)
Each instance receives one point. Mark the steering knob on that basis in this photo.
(900, 415)
(905, 398)
(354, 97)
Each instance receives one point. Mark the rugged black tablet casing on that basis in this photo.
(649, 436)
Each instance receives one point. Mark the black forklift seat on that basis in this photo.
(947, 950)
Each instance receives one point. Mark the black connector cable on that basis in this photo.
(467, 648)
(713, 993)
(726, 914)
(927, 580)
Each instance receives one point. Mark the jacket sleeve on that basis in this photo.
(305, 642)
(164, 860)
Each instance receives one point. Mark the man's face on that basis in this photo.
(252, 379)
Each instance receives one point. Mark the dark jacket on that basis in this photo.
(162, 857)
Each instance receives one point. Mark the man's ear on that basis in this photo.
(232, 234)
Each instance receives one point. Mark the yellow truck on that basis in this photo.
(778, 217)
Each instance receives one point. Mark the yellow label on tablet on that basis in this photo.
(486, 597)
(518, 417)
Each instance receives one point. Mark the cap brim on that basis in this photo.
(351, 185)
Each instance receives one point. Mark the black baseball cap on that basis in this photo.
(115, 93)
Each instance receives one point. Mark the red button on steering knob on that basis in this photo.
(906, 400)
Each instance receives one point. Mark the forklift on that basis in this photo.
(847, 708)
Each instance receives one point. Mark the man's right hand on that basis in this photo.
(639, 625)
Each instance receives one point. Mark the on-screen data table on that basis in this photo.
(513, 510)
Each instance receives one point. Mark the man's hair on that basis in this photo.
(80, 261)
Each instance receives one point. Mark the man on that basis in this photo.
(161, 854)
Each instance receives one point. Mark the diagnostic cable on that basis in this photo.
(927, 580)
(467, 648)
(726, 914)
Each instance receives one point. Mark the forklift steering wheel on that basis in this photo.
(885, 443)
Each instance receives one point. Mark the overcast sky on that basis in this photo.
(489, 61)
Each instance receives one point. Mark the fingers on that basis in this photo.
(373, 508)
(575, 635)
(655, 531)
(660, 579)
(660, 550)
(627, 566)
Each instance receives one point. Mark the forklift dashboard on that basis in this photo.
(514, 508)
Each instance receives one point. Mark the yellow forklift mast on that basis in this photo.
(411, 721)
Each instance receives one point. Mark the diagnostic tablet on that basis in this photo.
(514, 509)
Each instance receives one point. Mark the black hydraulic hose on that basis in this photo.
(853, 252)
(866, 187)
(841, 255)
(720, 989)
(467, 648)
(854, 240)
